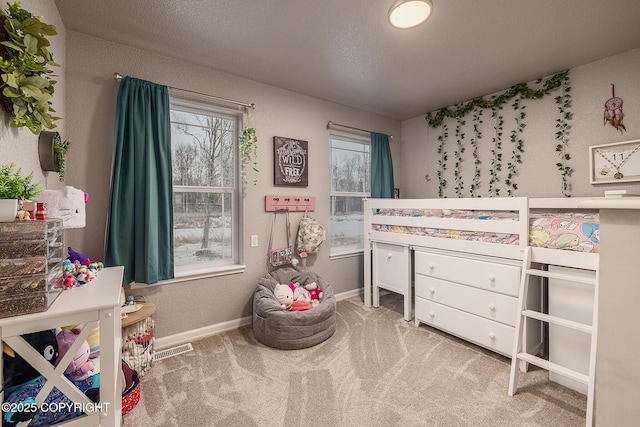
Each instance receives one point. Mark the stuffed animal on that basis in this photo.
(81, 366)
(315, 291)
(284, 295)
(77, 256)
(303, 294)
(17, 371)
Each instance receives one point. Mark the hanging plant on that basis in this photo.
(457, 173)
(518, 146)
(496, 152)
(477, 135)
(442, 161)
(563, 102)
(61, 148)
(248, 146)
(27, 87)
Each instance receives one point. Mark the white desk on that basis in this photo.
(617, 367)
(99, 300)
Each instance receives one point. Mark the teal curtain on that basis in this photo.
(381, 167)
(140, 219)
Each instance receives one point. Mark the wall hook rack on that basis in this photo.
(274, 203)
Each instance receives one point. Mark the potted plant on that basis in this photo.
(27, 87)
(248, 145)
(14, 187)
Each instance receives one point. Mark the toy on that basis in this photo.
(315, 292)
(302, 294)
(18, 372)
(300, 305)
(284, 295)
(16, 369)
(76, 256)
(81, 366)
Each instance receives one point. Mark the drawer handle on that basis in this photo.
(492, 307)
(389, 255)
(432, 290)
(492, 336)
(492, 278)
(432, 266)
(432, 314)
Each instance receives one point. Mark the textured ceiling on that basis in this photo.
(344, 51)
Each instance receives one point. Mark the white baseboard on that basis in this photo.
(195, 334)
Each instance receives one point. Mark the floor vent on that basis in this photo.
(170, 352)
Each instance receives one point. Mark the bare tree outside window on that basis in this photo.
(204, 183)
(350, 183)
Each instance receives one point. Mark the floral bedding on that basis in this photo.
(575, 231)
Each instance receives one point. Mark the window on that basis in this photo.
(205, 187)
(350, 164)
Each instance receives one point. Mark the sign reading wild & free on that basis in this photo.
(290, 158)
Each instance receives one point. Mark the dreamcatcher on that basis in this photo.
(613, 111)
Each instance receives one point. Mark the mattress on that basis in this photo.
(576, 231)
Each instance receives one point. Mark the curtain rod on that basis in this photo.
(118, 77)
(350, 127)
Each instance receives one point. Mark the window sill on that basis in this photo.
(195, 274)
(346, 254)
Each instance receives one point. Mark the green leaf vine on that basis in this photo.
(516, 95)
(442, 161)
(496, 152)
(518, 146)
(522, 90)
(563, 102)
(477, 135)
(460, 149)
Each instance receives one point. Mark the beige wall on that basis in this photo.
(20, 145)
(538, 174)
(91, 96)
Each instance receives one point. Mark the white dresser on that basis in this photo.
(470, 296)
(392, 271)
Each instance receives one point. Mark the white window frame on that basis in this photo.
(343, 251)
(233, 264)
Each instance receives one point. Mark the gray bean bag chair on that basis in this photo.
(280, 328)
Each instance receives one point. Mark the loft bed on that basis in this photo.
(501, 226)
(615, 261)
(472, 250)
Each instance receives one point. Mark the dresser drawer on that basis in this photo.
(487, 275)
(491, 305)
(492, 335)
(391, 267)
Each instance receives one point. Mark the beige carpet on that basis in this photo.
(377, 370)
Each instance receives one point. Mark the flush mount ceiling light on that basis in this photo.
(409, 13)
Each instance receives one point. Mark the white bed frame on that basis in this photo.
(617, 369)
(521, 205)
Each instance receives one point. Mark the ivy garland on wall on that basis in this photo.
(496, 152)
(518, 146)
(516, 95)
(563, 102)
(477, 121)
(457, 173)
(442, 161)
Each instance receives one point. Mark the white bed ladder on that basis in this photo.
(520, 353)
